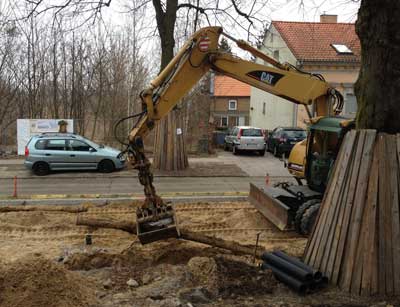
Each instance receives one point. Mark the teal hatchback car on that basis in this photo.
(64, 151)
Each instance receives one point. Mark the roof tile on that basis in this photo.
(229, 87)
(311, 41)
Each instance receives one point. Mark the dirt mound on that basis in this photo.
(246, 219)
(86, 262)
(37, 282)
(226, 277)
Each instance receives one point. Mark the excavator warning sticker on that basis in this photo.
(204, 43)
(271, 78)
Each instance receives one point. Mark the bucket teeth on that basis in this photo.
(156, 224)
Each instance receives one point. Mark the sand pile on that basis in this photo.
(37, 282)
(223, 277)
(38, 219)
(246, 219)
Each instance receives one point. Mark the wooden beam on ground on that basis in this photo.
(69, 209)
(186, 234)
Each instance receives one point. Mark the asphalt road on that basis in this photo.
(115, 186)
(256, 167)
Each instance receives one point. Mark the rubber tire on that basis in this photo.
(226, 148)
(276, 151)
(41, 168)
(106, 166)
(235, 151)
(300, 212)
(262, 152)
(309, 218)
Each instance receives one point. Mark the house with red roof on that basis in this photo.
(328, 47)
(230, 103)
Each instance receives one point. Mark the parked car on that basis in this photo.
(282, 139)
(63, 151)
(245, 138)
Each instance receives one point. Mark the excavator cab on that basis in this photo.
(290, 206)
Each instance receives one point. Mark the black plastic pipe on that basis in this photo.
(287, 267)
(282, 276)
(316, 274)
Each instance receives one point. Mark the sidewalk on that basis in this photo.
(224, 165)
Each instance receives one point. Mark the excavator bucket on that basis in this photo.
(268, 201)
(156, 224)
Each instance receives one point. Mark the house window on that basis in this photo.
(264, 107)
(232, 105)
(224, 121)
(342, 49)
(350, 104)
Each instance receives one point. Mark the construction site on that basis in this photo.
(47, 261)
(263, 214)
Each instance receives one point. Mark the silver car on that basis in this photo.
(245, 138)
(63, 151)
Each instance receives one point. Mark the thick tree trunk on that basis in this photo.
(169, 149)
(378, 86)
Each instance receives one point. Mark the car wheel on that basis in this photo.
(106, 166)
(235, 151)
(226, 148)
(41, 168)
(276, 151)
(262, 152)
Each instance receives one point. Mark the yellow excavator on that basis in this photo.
(311, 159)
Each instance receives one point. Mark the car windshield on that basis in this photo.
(93, 144)
(252, 132)
(294, 133)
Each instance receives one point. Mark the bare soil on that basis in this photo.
(44, 262)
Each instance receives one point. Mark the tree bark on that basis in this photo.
(169, 149)
(378, 86)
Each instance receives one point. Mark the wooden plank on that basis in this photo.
(394, 209)
(341, 205)
(313, 236)
(381, 217)
(328, 223)
(348, 208)
(311, 251)
(354, 270)
(369, 249)
(341, 190)
(339, 225)
(388, 220)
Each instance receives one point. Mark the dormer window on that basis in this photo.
(342, 49)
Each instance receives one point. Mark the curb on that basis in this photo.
(121, 196)
(105, 201)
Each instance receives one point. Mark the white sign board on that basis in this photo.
(26, 128)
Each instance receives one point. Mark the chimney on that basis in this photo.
(325, 18)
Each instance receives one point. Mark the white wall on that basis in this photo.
(279, 112)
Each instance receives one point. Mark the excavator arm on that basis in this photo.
(199, 55)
